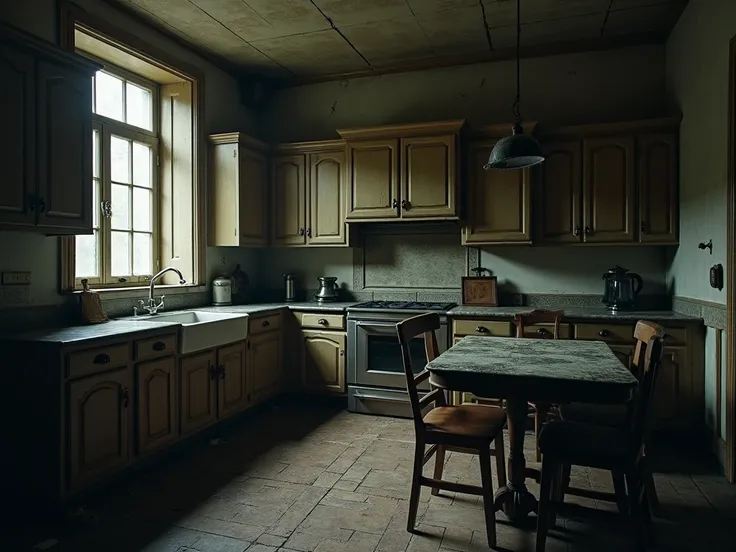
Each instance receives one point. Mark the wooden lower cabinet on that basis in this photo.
(668, 406)
(265, 366)
(323, 367)
(99, 426)
(156, 404)
(232, 393)
(625, 353)
(198, 387)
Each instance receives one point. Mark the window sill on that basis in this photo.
(163, 289)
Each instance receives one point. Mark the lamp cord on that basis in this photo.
(515, 108)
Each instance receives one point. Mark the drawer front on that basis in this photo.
(154, 347)
(610, 333)
(90, 361)
(675, 336)
(264, 324)
(547, 331)
(323, 321)
(482, 327)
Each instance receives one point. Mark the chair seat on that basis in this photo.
(466, 420)
(576, 439)
(613, 415)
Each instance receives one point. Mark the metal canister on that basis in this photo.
(289, 287)
(222, 291)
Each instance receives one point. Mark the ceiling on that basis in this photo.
(317, 39)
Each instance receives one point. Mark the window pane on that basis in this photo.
(95, 154)
(86, 265)
(120, 207)
(95, 203)
(142, 165)
(138, 106)
(120, 249)
(109, 96)
(142, 214)
(142, 256)
(119, 160)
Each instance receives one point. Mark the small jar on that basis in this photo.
(222, 291)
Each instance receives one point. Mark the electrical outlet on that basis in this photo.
(16, 279)
(14, 296)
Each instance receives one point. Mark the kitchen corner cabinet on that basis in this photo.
(238, 191)
(265, 358)
(46, 149)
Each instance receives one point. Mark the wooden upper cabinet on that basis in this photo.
(327, 201)
(324, 361)
(238, 191)
(657, 173)
(608, 189)
(373, 189)
(498, 202)
(156, 404)
(232, 393)
(288, 188)
(428, 177)
(560, 199)
(17, 141)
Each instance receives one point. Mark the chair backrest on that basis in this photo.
(538, 316)
(643, 332)
(639, 422)
(426, 325)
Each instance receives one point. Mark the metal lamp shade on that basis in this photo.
(517, 151)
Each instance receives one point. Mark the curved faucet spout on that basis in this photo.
(152, 307)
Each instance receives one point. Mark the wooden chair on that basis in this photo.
(522, 321)
(611, 448)
(466, 428)
(616, 415)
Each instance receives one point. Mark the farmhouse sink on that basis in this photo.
(204, 330)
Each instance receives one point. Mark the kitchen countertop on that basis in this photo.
(577, 313)
(267, 307)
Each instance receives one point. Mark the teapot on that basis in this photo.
(621, 288)
(327, 289)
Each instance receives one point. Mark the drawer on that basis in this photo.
(155, 347)
(323, 321)
(547, 331)
(90, 361)
(482, 327)
(264, 324)
(610, 333)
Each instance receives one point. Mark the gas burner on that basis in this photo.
(404, 305)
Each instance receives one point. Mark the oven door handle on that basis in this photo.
(379, 398)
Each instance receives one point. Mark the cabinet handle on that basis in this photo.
(394, 203)
(102, 358)
(577, 231)
(265, 323)
(301, 231)
(543, 331)
(604, 333)
(404, 204)
(481, 329)
(643, 227)
(125, 397)
(159, 346)
(213, 372)
(309, 232)
(221, 369)
(32, 202)
(342, 352)
(588, 230)
(322, 322)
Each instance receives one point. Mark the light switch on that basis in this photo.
(16, 279)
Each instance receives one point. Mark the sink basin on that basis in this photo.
(204, 330)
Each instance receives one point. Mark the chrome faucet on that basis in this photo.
(151, 306)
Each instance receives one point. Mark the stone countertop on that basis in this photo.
(338, 307)
(578, 313)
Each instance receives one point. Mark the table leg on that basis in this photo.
(515, 499)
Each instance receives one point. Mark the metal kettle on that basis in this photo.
(328, 290)
(621, 288)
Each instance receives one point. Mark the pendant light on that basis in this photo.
(517, 151)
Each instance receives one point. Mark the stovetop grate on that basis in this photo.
(405, 305)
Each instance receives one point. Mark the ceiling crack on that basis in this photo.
(605, 19)
(338, 31)
(485, 24)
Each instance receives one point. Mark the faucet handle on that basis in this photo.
(160, 305)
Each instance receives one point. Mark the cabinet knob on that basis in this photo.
(322, 322)
(265, 323)
(481, 329)
(221, 369)
(125, 397)
(213, 372)
(342, 352)
(394, 203)
(577, 231)
(604, 333)
(309, 232)
(404, 204)
(543, 331)
(301, 231)
(643, 227)
(102, 358)
(159, 346)
(588, 230)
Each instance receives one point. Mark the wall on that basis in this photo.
(697, 78)
(223, 112)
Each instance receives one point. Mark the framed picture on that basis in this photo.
(480, 291)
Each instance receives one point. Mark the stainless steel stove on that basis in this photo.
(375, 372)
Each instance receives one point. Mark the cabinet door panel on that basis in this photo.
(157, 423)
(99, 426)
(324, 362)
(252, 198)
(265, 366)
(198, 388)
(561, 178)
(498, 202)
(669, 404)
(17, 141)
(373, 180)
(428, 177)
(232, 391)
(289, 200)
(657, 188)
(64, 149)
(608, 188)
(327, 199)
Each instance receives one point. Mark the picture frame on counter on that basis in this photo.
(480, 291)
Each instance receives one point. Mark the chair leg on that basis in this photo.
(500, 453)
(545, 508)
(439, 464)
(619, 488)
(416, 486)
(539, 418)
(647, 515)
(565, 470)
(651, 490)
(484, 455)
(633, 485)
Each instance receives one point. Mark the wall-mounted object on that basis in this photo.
(480, 291)
(716, 276)
(16, 278)
(708, 246)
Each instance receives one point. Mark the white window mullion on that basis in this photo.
(107, 198)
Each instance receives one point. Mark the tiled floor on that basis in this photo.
(311, 478)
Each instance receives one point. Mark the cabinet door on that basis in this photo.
(232, 394)
(657, 188)
(64, 149)
(670, 409)
(197, 382)
(428, 177)
(17, 141)
(252, 198)
(156, 385)
(498, 202)
(99, 426)
(324, 362)
(560, 211)
(289, 200)
(373, 191)
(265, 366)
(327, 199)
(608, 189)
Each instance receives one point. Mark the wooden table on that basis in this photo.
(540, 370)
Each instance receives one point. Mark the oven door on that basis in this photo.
(376, 355)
